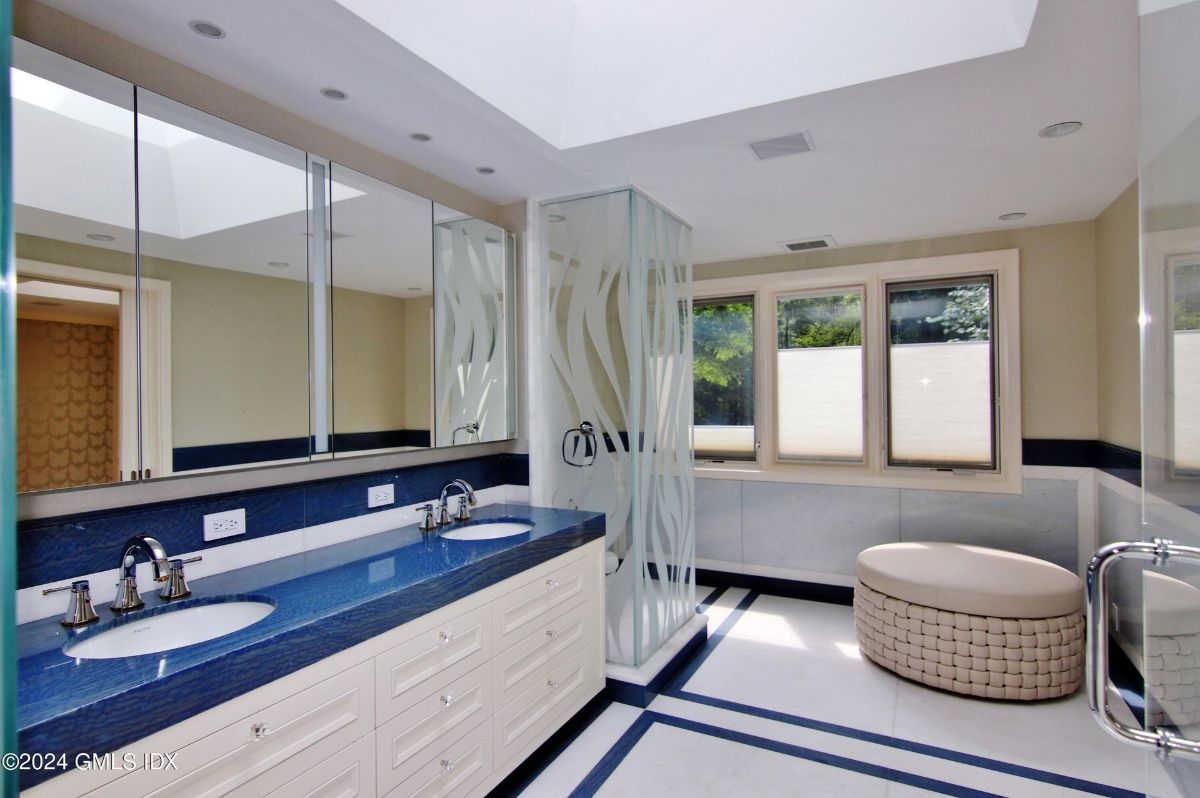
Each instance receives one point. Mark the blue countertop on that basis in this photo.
(327, 600)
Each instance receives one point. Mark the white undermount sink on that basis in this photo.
(174, 628)
(488, 530)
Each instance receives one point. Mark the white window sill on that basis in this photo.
(1009, 481)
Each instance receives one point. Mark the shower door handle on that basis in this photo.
(1157, 552)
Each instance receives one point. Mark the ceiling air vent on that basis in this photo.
(792, 144)
(820, 242)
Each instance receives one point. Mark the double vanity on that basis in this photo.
(407, 663)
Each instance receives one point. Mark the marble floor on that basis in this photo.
(781, 703)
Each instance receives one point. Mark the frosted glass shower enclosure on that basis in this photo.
(612, 402)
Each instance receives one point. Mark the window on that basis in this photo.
(903, 373)
(819, 376)
(941, 366)
(723, 348)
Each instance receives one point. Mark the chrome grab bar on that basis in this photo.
(1158, 552)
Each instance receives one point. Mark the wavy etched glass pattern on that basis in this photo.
(471, 387)
(616, 354)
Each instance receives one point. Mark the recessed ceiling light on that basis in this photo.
(413, 289)
(556, 217)
(206, 29)
(485, 170)
(100, 237)
(278, 264)
(420, 137)
(1059, 129)
(334, 94)
(1012, 217)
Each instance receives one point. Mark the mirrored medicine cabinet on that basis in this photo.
(193, 296)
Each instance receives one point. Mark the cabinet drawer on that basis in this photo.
(442, 654)
(298, 732)
(529, 660)
(518, 613)
(439, 718)
(454, 771)
(350, 773)
(535, 710)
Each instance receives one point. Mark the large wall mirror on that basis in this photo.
(194, 296)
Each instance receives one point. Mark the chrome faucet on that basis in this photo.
(465, 501)
(128, 598)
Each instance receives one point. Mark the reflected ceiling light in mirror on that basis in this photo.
(206, 29)
(485, 170)
(421, 137)
(334, 94)
(278, 264)
(1012, 217)
(1059, 129)
(414, 289)
(100, 237)
(556, 217)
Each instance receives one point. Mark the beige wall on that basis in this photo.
(239, 350)
(418, 364)
(1118, 360)
(1058, 311)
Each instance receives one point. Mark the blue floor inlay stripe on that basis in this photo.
(973, 760)
(609, 763)
(711, 598)
(689, 670)
(676, 690)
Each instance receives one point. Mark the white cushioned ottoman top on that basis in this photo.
(971, 579)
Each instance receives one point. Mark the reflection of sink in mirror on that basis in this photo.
(174, 628)
(489, 531)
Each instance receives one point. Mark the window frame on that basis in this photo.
(701, 297)
(832, 290)
(1004, 268)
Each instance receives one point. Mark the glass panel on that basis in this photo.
(723, 366)
(941, 374)
(224, 292)
(819, 376)
(382, 247)
(8, 409)
(73, 214)
(614, 312)
(473, 384)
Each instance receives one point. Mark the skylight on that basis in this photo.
(577, 73)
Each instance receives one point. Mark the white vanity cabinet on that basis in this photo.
(442, 707)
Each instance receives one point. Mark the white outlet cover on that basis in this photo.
(381, 495)
(225, 525)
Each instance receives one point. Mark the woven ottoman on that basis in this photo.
(1171, 635)
(971, 620)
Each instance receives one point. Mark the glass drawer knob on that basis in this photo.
(550, 633)
(260, 730)
(447, 700)
(447, 765)
(553, 684)
(445, 636)
(551, 583)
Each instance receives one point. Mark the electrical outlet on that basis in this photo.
(224, 525)
(381, 495)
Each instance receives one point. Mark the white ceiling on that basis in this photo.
(934, 152)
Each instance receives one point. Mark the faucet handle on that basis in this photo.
(176, 586)
(464, 512)
(427, 523)
(79, 611)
